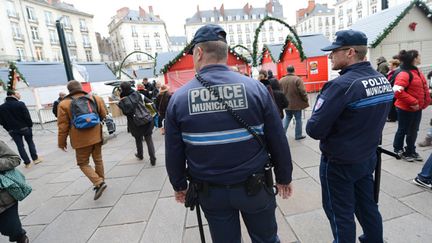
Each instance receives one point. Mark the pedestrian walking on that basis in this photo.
(293, 88)
(131, 100)
(348, 118)
(15, 118)
(10, 225)
(79, 116)
(56, 102)
(226, 163)
(412, 96)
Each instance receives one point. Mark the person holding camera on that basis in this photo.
(348, 118)
(207, 144)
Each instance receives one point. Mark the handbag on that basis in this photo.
(268, 172)
(105, 133)
(13, 181)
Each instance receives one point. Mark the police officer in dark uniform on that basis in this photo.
(348, 119)
(220, 153)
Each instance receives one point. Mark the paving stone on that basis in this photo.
(129, 233)
(36, 172)
(132, 208)
(148, 180)
(397, 187)
(191, 218)
(78, 187)
(298, 173)
(420, 202)
(402, 169)
(167, 189)
(166, 222)
(68, 176)
(306, 197)
(305, 157)
(73, 226)
(49, 211)
(32, 233)
(192, 235)
(306, 223)
(285, 232)
(391, 208)
(39, 183)
(410, 228)
(124, 171)
(314, 173)
(39, 197)
(111, 195)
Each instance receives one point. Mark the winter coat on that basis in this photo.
(293, 88)
(138, 131)
(162, 102)
(79, 138)
(414, 93)
(382, 66)
(14, 114)
(8, 161)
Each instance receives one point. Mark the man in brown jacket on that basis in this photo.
(294, 90)
(87, 141)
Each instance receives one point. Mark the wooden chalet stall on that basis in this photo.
(178, 68)
(314, 69)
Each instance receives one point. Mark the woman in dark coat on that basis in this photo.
(138, 132)
(161, 103)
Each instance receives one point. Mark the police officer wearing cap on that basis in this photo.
(348, 119)
(218, 152)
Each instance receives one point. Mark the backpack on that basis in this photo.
(399, 70)
(136, 110)
(84, 112)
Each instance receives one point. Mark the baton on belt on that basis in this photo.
(377, 180)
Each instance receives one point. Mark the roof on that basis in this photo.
(44, 74)
(321, 9)
(386, 20)
(196, 18)
(313, 43)
(147, 17)
(274, 50)
(163, 58)
(142, 73)
(178, 40)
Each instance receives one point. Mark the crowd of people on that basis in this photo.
(225, 133)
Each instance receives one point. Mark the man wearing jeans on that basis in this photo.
(424, 178)
(294, 90)
(15, 118)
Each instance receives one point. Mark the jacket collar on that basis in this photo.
(358, 65)
(11, 98)
(76, 92)
(213, 67)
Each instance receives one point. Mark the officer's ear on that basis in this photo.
(198, 51)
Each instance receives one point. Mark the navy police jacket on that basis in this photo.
(201, 134)
(350, 113)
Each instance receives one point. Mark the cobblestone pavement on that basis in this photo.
(138, 205)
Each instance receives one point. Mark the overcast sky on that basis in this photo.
(174, 13)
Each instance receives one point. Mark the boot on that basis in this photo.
(426, 142)
(24, 239)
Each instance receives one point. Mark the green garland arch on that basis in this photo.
(12, 70)
(297, 42)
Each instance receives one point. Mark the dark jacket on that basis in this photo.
(14, 114)
(8, 161)
(138, 131)
(279, 97)
(55, 106)
(382, 66)
(206, 138)
(293, 88)
(414, 93)
(350, 113)
(162, 102)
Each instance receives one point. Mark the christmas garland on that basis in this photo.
(14, 76)
(393, 24)
(184, 53)
(298, 43)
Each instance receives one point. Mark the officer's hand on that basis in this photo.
(180, 196)
(415, 107)
(285, 191)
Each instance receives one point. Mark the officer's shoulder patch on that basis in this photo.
(319, 104)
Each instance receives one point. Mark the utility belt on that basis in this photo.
(253, 185)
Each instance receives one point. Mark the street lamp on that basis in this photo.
(63, 46)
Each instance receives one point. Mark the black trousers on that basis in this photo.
(11, 224)
(17, 136)
(150, 147)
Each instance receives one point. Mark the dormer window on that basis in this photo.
(253, 16)
(203, 19)
(237, 17)
(212, 19)
(246, 17)
(220, 18)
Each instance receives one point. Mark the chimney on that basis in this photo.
(51, 2)
(311, 5)
(151, 9)
(246, 8)
(222, 10)
(122, 12)
(142, 12)
(198, 9)
(269, 7)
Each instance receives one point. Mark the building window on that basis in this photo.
(270, 26)
(86, 41)
(239, 29)
(253, 16)
(212, 19)
(320, 21)
(246, 17)
(21, 53)
(349, 20)
(89, 56)
(66, 21)
(247, 30)
(133, 30)
(57, 55)
(281, 39)
(83, 25)
(34, 33)
(374, 9)
(230, 29)
(39, 53)
(73, 53)
(263, 38)
(31, 14)
(69, 39)
(156, 34)
(248, 39)
(138, 57)
(147, 43)
(158, 44)
(240, 40)
(359, 14)
(220, 18)
(237, 17)
(10, 6)
(229, 17)
(48, 18)
(261, 16)
(53, 37)
(136, 45)
(16, 32)
(146, 34)
(203, 19)
(271, 37)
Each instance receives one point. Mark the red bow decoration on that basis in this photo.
(412, 26)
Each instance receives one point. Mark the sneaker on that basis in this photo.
(417, 157)
(407, 158)
(24, 239)
(28, 166)
(37, 161)
(139, 157)
(399, 154)
(99, 190)
(423, 183)
(153, 162)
